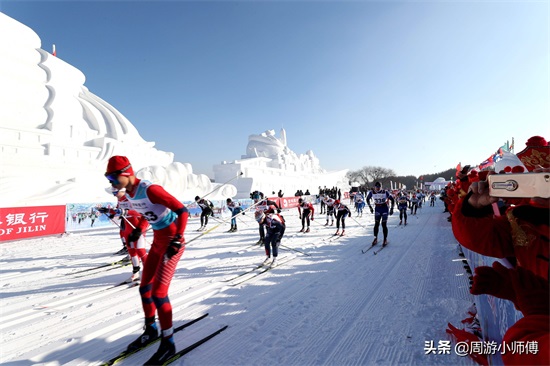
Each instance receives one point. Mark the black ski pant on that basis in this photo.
(403, 213)
(305, 217)
(341, 216)
(381, 216)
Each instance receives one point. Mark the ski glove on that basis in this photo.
(532, 293)
(371, 209)
(103, 210)
(174, 247)
(135, 235)
(112, 212)
(391, 211)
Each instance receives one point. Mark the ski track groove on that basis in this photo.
(79, 344)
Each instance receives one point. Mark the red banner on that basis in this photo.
(27, 222)
(288, 202)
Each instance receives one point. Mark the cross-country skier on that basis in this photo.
(261, 207)
(168, 217)
(380, 198)
(414, 204)
(432, 199)
(402, 205)
(129, 220)
(235, 209)
(359, 203)
(206, 208)
(275, 227)
(341, 211)
(329, 202)
(305, 211)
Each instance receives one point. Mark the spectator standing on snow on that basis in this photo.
(168, 217)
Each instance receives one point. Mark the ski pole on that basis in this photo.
(218, 225)
(358, 223)
(221, 185)
(295, 250)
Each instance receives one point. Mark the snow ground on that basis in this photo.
(329, 304)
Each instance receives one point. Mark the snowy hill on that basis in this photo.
(327, 303)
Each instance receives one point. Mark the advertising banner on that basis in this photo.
(27, 222)
(85, 216)
(288, 202)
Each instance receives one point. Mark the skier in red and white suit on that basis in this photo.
(168, 217)
(129, 220)
(305, 211)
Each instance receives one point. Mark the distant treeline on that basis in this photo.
(366, 177)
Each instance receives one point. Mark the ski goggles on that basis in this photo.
(112, 177)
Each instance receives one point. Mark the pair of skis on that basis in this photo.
(258, 270)
(371, 247)
(125, 354)
(104, 267)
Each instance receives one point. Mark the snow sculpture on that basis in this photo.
(56, 136)
(268, 146)
(269, 165)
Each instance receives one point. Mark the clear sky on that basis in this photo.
(415, 86)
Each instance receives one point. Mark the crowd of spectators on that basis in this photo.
(515, 230)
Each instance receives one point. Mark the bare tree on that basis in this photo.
(369, 174)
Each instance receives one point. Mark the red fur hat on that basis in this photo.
(120, 163)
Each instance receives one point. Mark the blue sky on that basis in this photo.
(415, 86)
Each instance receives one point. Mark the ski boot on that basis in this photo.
(307, 230)
(166, 350)
(260, 242)
(273, 262)
(136, 275)
(400, 222)
(375, 241)
(405, 222)
(337, 232)
(343, 233)
(266, 261)
(150, 334)
(301, 231)
(124, 250)
(385, 242)
(326, 223)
